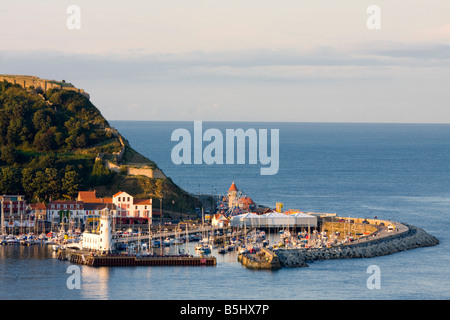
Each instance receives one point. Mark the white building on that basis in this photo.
(129, 209)
(219, 221)
(101, 239)
(273, 220)
(63, 210)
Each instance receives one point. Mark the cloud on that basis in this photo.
(355, 62)
(373, 81)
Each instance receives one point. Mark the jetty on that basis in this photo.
(86, 257)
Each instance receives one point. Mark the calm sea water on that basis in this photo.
(393, 171)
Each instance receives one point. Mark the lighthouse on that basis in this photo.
(100, 239)
(105, 231)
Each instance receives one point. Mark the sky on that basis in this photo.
(247, 60)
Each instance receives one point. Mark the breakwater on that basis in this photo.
(413, 238)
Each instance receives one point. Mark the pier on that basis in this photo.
(84, 257)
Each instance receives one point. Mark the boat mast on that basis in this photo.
(149, 235)
(2, 217)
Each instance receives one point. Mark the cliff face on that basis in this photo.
(55, 142)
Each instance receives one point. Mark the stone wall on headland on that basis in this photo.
(36, 82)
(413, 238)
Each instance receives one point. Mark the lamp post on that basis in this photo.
(173, 209)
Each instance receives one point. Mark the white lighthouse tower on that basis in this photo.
(101, 239)
(105, 231)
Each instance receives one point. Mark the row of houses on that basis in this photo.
(123, 207)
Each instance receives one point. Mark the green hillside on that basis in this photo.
(49, 145)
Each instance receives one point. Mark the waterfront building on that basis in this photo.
(274, 220)
(39, 211)
(219, 221)
(66, 212)
(14, 211)
(91, 197)
(246, 203)
(130, 210)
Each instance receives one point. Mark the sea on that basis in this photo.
(391, 171)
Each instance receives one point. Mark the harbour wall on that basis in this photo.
(413, 238)
(84, 257)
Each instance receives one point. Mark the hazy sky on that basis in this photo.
(243, 60)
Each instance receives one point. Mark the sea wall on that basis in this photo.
(414, 238)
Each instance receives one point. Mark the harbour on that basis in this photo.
(333, 273)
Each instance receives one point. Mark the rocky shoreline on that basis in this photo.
(415, 237)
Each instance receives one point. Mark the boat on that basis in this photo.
(156, 243)
(243, 249)
(203, 247)
(230, 247)
(177, 241)
(222, 250)
(166, 242)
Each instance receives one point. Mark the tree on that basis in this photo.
(53, 183)
(10, 180)
(100, 174)
(9, 154)
(27, 181)
(39, 186)
(70, 184)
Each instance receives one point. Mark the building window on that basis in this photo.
(118, 199)
(128, 199)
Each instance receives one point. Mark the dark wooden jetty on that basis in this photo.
(119, 259)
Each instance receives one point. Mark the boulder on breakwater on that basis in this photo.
(413, 238)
